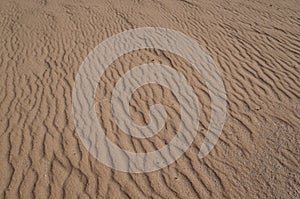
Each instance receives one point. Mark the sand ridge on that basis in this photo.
(255, 45)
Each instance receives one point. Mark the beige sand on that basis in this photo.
(255, 45)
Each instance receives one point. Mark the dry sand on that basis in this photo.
(255, 45)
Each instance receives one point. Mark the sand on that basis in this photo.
(255, 45)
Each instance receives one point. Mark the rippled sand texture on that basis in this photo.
(255, 45)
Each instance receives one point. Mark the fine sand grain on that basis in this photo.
(255, 46)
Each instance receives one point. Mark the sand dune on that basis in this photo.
(255, 46)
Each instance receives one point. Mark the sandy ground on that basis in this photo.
(254, 44)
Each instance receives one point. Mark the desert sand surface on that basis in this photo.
(255, 46)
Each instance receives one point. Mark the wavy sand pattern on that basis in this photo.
(255, 45)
